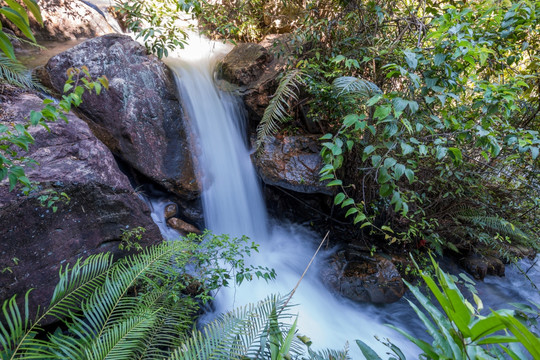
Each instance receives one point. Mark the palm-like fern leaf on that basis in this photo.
(345, 85)
(279, 105)
(494, 224)
(18, 339)
(238, 334)
(15, 73)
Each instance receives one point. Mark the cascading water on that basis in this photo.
(233, 204)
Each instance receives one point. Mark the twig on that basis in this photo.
(305, 271)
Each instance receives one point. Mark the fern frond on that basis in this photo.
(75, 284)
(238, 334)
(328, 354)
(107, 311)
(495, 225)
(345, 85)
(17, 335)
(122, 341)
(279, 106)
(15, 73)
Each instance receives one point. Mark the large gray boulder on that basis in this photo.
(34, 240)
(140, 118)
(291, 162)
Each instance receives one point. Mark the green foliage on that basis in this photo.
(50, 198)
(140, 306)
(255, 331)
(279, 105)
(458, 329)
(157, 22)
(456, 114)
(18, 15)
(15, 138)
(11, 70)
(15, 73)
(131, 239)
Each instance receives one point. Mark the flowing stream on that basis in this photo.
(234, 205)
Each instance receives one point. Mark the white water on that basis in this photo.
(233, 204)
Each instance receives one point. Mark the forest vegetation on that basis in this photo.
(430, 116)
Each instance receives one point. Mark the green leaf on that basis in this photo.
(389, 162)
(455, 154)
(336, 182)
(368, 352)
(383, 177)
(351, 211)
(34, 9)
(338, 199)
(439, 59)
(410, 175)
(399, 170)
(359, 217)
(19, 21)
(406, 148)
(5, 45)
(411, 59)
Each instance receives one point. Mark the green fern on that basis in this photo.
(346, 85)
(15, 73)
(277, 110)
(18, 332)
(494, 224)
(239, 334)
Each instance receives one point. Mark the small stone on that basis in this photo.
(170, 211)
(182, 226)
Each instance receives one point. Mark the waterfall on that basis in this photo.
(233, 204)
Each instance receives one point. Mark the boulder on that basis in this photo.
(363, 277)
(66, 20)
(35, 240)
(245, 64)
(481, 265)
(291, 162)
(139, 118)
(255, 67)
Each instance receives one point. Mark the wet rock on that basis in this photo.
(34, 239)
(361, 277)
(244, 64)
(139, 118)
(291, 162)
(171, 210)
(481, 265)
(182, 226)
(66, 20)
(257, 74)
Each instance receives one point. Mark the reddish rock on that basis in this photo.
(139, 118)
(182, 226)
(291, 162)
(34, 240)
(170, 211)
(364, 278)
